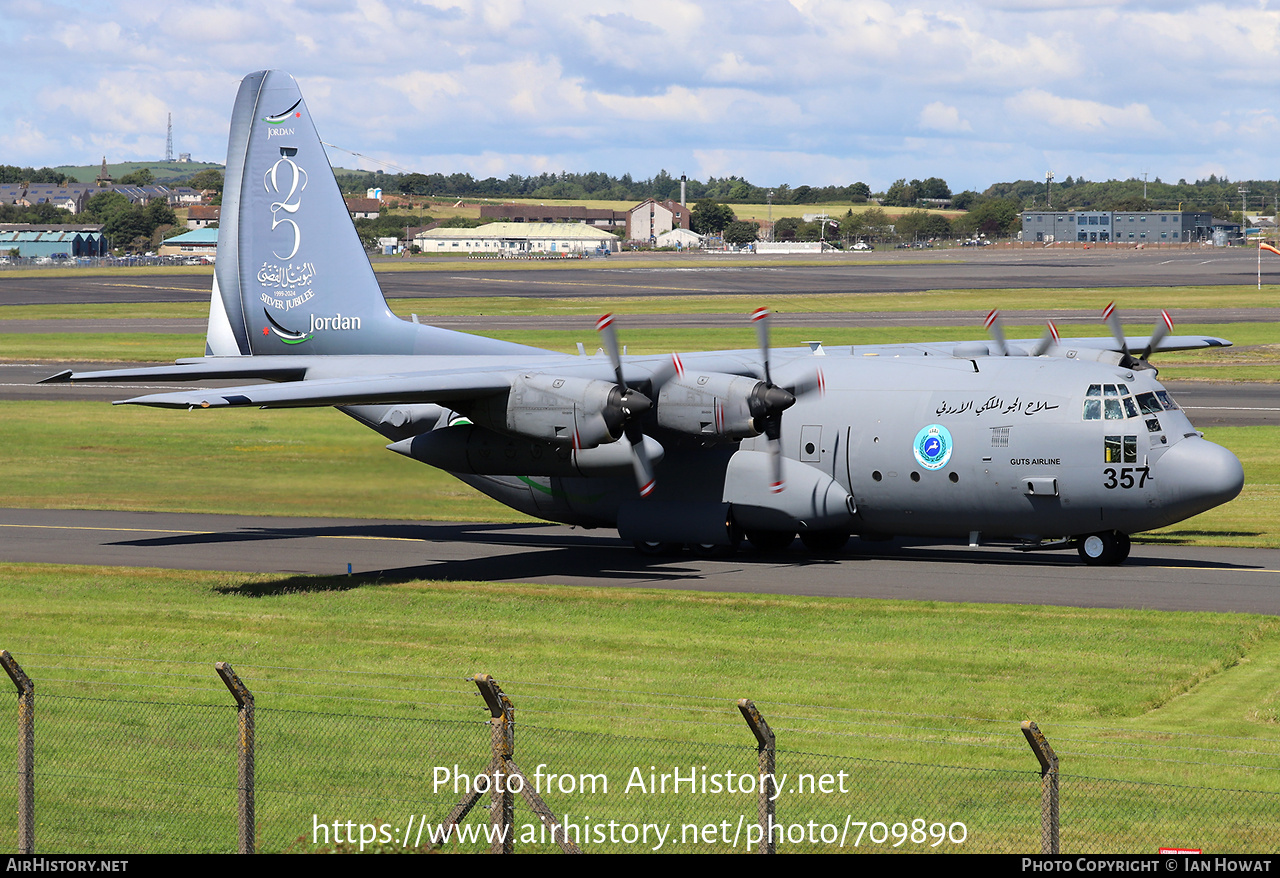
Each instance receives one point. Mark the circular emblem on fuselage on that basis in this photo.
(933, 446)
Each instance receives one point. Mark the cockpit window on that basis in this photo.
(1149, 404)
(1113, 402)
(1166, 400)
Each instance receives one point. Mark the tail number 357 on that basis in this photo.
(1128, 477)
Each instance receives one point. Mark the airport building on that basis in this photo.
(650, 218)
(1117, 226)
(59, 242)
(597, 217)
(515, 239)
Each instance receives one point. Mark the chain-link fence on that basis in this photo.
(356, 767)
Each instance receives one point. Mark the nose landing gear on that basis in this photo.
(1103, 549)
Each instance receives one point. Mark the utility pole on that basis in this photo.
(1244, 206)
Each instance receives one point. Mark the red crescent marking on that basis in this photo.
(1168, 321)
(760, 314)
(603, 322)
(991, 318)
(1106, 312)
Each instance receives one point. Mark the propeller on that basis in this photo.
(632, 404)
(1048, 340)
(995, 326)
(1162, 328)
(769, 401)
(1117, 331)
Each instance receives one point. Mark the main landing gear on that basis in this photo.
(1104, 549)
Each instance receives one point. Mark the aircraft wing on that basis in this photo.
(1134, 346)
(445, 386)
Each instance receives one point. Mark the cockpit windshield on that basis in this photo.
(1114, 402)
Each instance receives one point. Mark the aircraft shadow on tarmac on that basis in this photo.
(552, 553)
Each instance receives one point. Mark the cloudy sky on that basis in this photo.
(797, 91)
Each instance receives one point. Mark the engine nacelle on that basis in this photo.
(569, 412)
(714, 405)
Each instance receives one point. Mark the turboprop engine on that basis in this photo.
(719, 405)
(574, 412)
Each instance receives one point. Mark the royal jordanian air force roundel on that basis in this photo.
(933, 446)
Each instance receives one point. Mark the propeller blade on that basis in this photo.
(1162, 328)
(808, 384)
(1113, 322)
(609, 335)
(633, 404)
(773, 399)
(773, 435)
(995, 326)
(640, 463)
(760, 317)
(1048, 340)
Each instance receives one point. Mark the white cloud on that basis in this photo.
(1076, 116)
(937, 116)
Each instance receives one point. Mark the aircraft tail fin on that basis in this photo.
(292, 276)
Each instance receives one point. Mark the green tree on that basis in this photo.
(140, 177)
(211, 178)
(877, 222)
(710, 217)
(853, 225)
(740, 232)
(901, 194)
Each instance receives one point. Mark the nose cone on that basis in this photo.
(1196, 475)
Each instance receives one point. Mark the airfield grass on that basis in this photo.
(599, 674)
(86, 455)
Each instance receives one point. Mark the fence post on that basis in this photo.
(767, 796)
(26, 753)
(244, 748)
(502, 768)
(1048, 786)
(502, 739)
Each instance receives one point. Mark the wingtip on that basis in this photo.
(63, 377)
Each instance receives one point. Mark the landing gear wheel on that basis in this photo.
(1106, 548)
(824, 542)
(654, 549)
(770, 541)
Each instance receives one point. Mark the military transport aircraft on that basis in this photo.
(1046, 444)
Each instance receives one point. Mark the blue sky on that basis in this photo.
(797, 91)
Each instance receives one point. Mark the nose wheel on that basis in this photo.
(1104, 549)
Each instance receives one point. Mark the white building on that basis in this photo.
(515, 239)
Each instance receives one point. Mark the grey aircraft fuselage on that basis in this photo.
(1022, 462)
